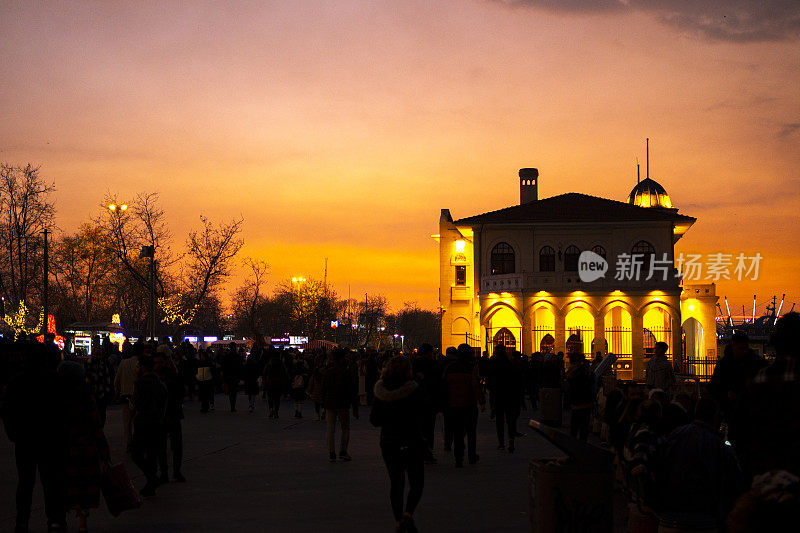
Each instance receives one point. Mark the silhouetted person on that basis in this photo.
(699, 473)
(658, 372)
(298, 390)
(54, 355)
(340, 391)
(450, 356)
(205, 381)
(87, 448)
(426, 372)
(739, 364)
(124, 382)
(232, 374)
(35, 419)
(149, 404)
(371, 375)
(768, 426)
(276, 379)
(462, 395)
(505, 389)
(533, 378)
(399, 410)
(100, 379)
(173, 415)
(580, 382)
(641, 451)
(251, 372)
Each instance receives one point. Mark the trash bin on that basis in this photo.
(572, 493)
(550, 408)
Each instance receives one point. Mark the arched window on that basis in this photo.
(503, 259)
(548, 344)
(599, 250)
(504, 337)
(571, 255)
(547, 259)
(643, 251)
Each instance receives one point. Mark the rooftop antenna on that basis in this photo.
(648, 158)
(325, 279)
(754, 309)
(638, 175)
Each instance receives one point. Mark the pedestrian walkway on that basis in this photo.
(249, 473)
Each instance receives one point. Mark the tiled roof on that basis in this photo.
(575, 207)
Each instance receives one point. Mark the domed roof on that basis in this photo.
(649, 193)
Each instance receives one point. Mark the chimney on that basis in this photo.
(528, 191)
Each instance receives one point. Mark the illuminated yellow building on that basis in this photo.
(514, 277)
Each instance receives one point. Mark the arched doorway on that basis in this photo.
(544, 329)
(618, 333)
(657, 328)
(579, 322)
(504, 324)
(547, 344)
(504, 337)
(694, 357)
(575, 344)
(599, 345)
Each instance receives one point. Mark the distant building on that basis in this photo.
(513, 277)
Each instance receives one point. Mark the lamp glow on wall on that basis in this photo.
(460, 246)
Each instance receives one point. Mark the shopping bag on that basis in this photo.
(118, 490)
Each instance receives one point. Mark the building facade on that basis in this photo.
(522, 277)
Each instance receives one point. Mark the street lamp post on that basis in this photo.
(298, 281)
(46, 281)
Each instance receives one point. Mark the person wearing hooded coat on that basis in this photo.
(398, 410)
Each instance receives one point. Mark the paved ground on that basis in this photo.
(249, 473)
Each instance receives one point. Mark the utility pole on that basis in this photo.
(45, 306)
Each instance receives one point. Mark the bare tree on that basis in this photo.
(81, 265)
(209, 257)
(134, 228)
(249, 300)
(26, 210)
(372, 312)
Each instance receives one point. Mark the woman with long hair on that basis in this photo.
(397, 410)
(87, 448)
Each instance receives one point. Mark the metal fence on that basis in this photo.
(546, 334)
(701, 368)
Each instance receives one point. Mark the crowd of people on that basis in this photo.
(726, 450)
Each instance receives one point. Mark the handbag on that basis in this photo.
(118, 490)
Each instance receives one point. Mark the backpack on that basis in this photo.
(298, 382)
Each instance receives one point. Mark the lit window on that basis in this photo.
(461, 275)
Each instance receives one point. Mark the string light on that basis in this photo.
(174, 313)
(18, 319)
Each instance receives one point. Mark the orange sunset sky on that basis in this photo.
(340, 129)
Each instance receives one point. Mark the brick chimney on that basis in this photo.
(528, 189)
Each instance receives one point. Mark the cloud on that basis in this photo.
(739, 21)
(789, 129)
